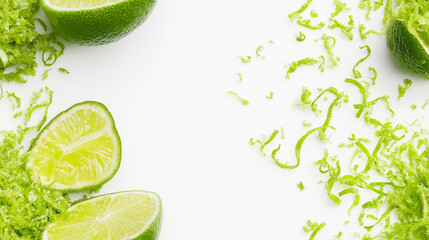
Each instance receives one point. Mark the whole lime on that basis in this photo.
(96, 22)
(407, 48)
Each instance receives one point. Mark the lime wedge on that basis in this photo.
(96, 22)
(117, 216)
(79, 149)
(407, 47)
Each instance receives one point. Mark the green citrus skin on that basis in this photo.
(100, 25)
(406, 49)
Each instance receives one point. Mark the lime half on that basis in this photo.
(79, 149)
(407, 48)
(117, 216)
(96, 22)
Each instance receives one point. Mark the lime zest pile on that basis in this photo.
(19, 41)
(25, 207)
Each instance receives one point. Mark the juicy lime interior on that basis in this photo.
(78, 149)
(81, 4)
(118, 216)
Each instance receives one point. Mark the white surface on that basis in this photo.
(186, 139)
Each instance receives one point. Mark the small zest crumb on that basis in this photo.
(301, 186)
(242, 100)
(63, 70)
(270, 96)
(245, 59)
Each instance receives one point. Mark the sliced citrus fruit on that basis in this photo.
(79, 149)
(117, 216)
(98, 21)
(408, 48)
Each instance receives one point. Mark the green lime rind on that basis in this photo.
(406, 49)
(34, 142)
(148, 232)
(97, 26)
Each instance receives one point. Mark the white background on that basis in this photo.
(186, 139)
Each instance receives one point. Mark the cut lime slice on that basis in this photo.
(117, 216)
(79, 149)
(96, 22)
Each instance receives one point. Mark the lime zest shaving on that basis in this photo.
(273, 156)
(329, 43)
(322, 63)
(313, 227)
(265, 143)
(423, 107)
(313, 13)
(242, 100)
(306, 124)
(270, 96)
(297, 13)
(345, 29)
(239, 76)
(374, 75)
(335, 102)
(282, 131)
(300, 37)
(306, 23)
(339, 7)
(258, 52)
(356, 73)
(295, 64)
(63, 70)
(339, 235)
(45, 74)
(37, 103)
(403, 89)
(364, 35)
(43, 24)
(301, 141)
(15, 100)
(370, 5)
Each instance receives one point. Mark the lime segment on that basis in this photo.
(79, 149)
(117, 216)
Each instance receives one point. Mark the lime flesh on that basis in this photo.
(117, 216)
(78, 150)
